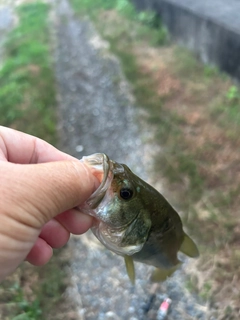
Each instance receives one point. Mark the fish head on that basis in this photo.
(121, 223)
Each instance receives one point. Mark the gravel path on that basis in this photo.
(96, 114)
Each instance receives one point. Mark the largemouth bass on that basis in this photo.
(134, 220)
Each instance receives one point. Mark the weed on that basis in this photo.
(191, 284)
(147, 24)
(233, 94)
(206, 290)
(210, 71)
(27, 96)
(187, 63)
(32, 293)
(149, 18)
(91, 7)
(126, 8)
(51, 284)
(229, 108)
(160, 37)
(19, 306)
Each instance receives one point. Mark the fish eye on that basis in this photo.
(126, 193)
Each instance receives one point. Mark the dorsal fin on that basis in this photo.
(188, 247)
(130, 268)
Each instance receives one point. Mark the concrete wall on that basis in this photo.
(210, 28)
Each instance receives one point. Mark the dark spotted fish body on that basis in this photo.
(134, 220)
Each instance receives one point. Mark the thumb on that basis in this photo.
(38, 192)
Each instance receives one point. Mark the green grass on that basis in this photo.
(27, 93)
(34, 293)
(27, 103)
(228, 111)
(24, 309)
(51, 286)
(149, 23)
(91, 7)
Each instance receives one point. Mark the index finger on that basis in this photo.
(19, 147)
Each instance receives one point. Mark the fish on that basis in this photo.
(134, 220)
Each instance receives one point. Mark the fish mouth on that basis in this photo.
(101, 167)
(111, 236)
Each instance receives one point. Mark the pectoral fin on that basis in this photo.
(188, 247)
(130, 268)
(160, 275)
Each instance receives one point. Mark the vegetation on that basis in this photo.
(27, 96)
(27, 103)
(148, 22)
(194, 113)
(34, 293)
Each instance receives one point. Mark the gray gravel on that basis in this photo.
(97, 114)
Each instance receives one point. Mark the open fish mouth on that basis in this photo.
(102, 167)
(97, 205)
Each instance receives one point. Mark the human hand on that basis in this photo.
(39, 187)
